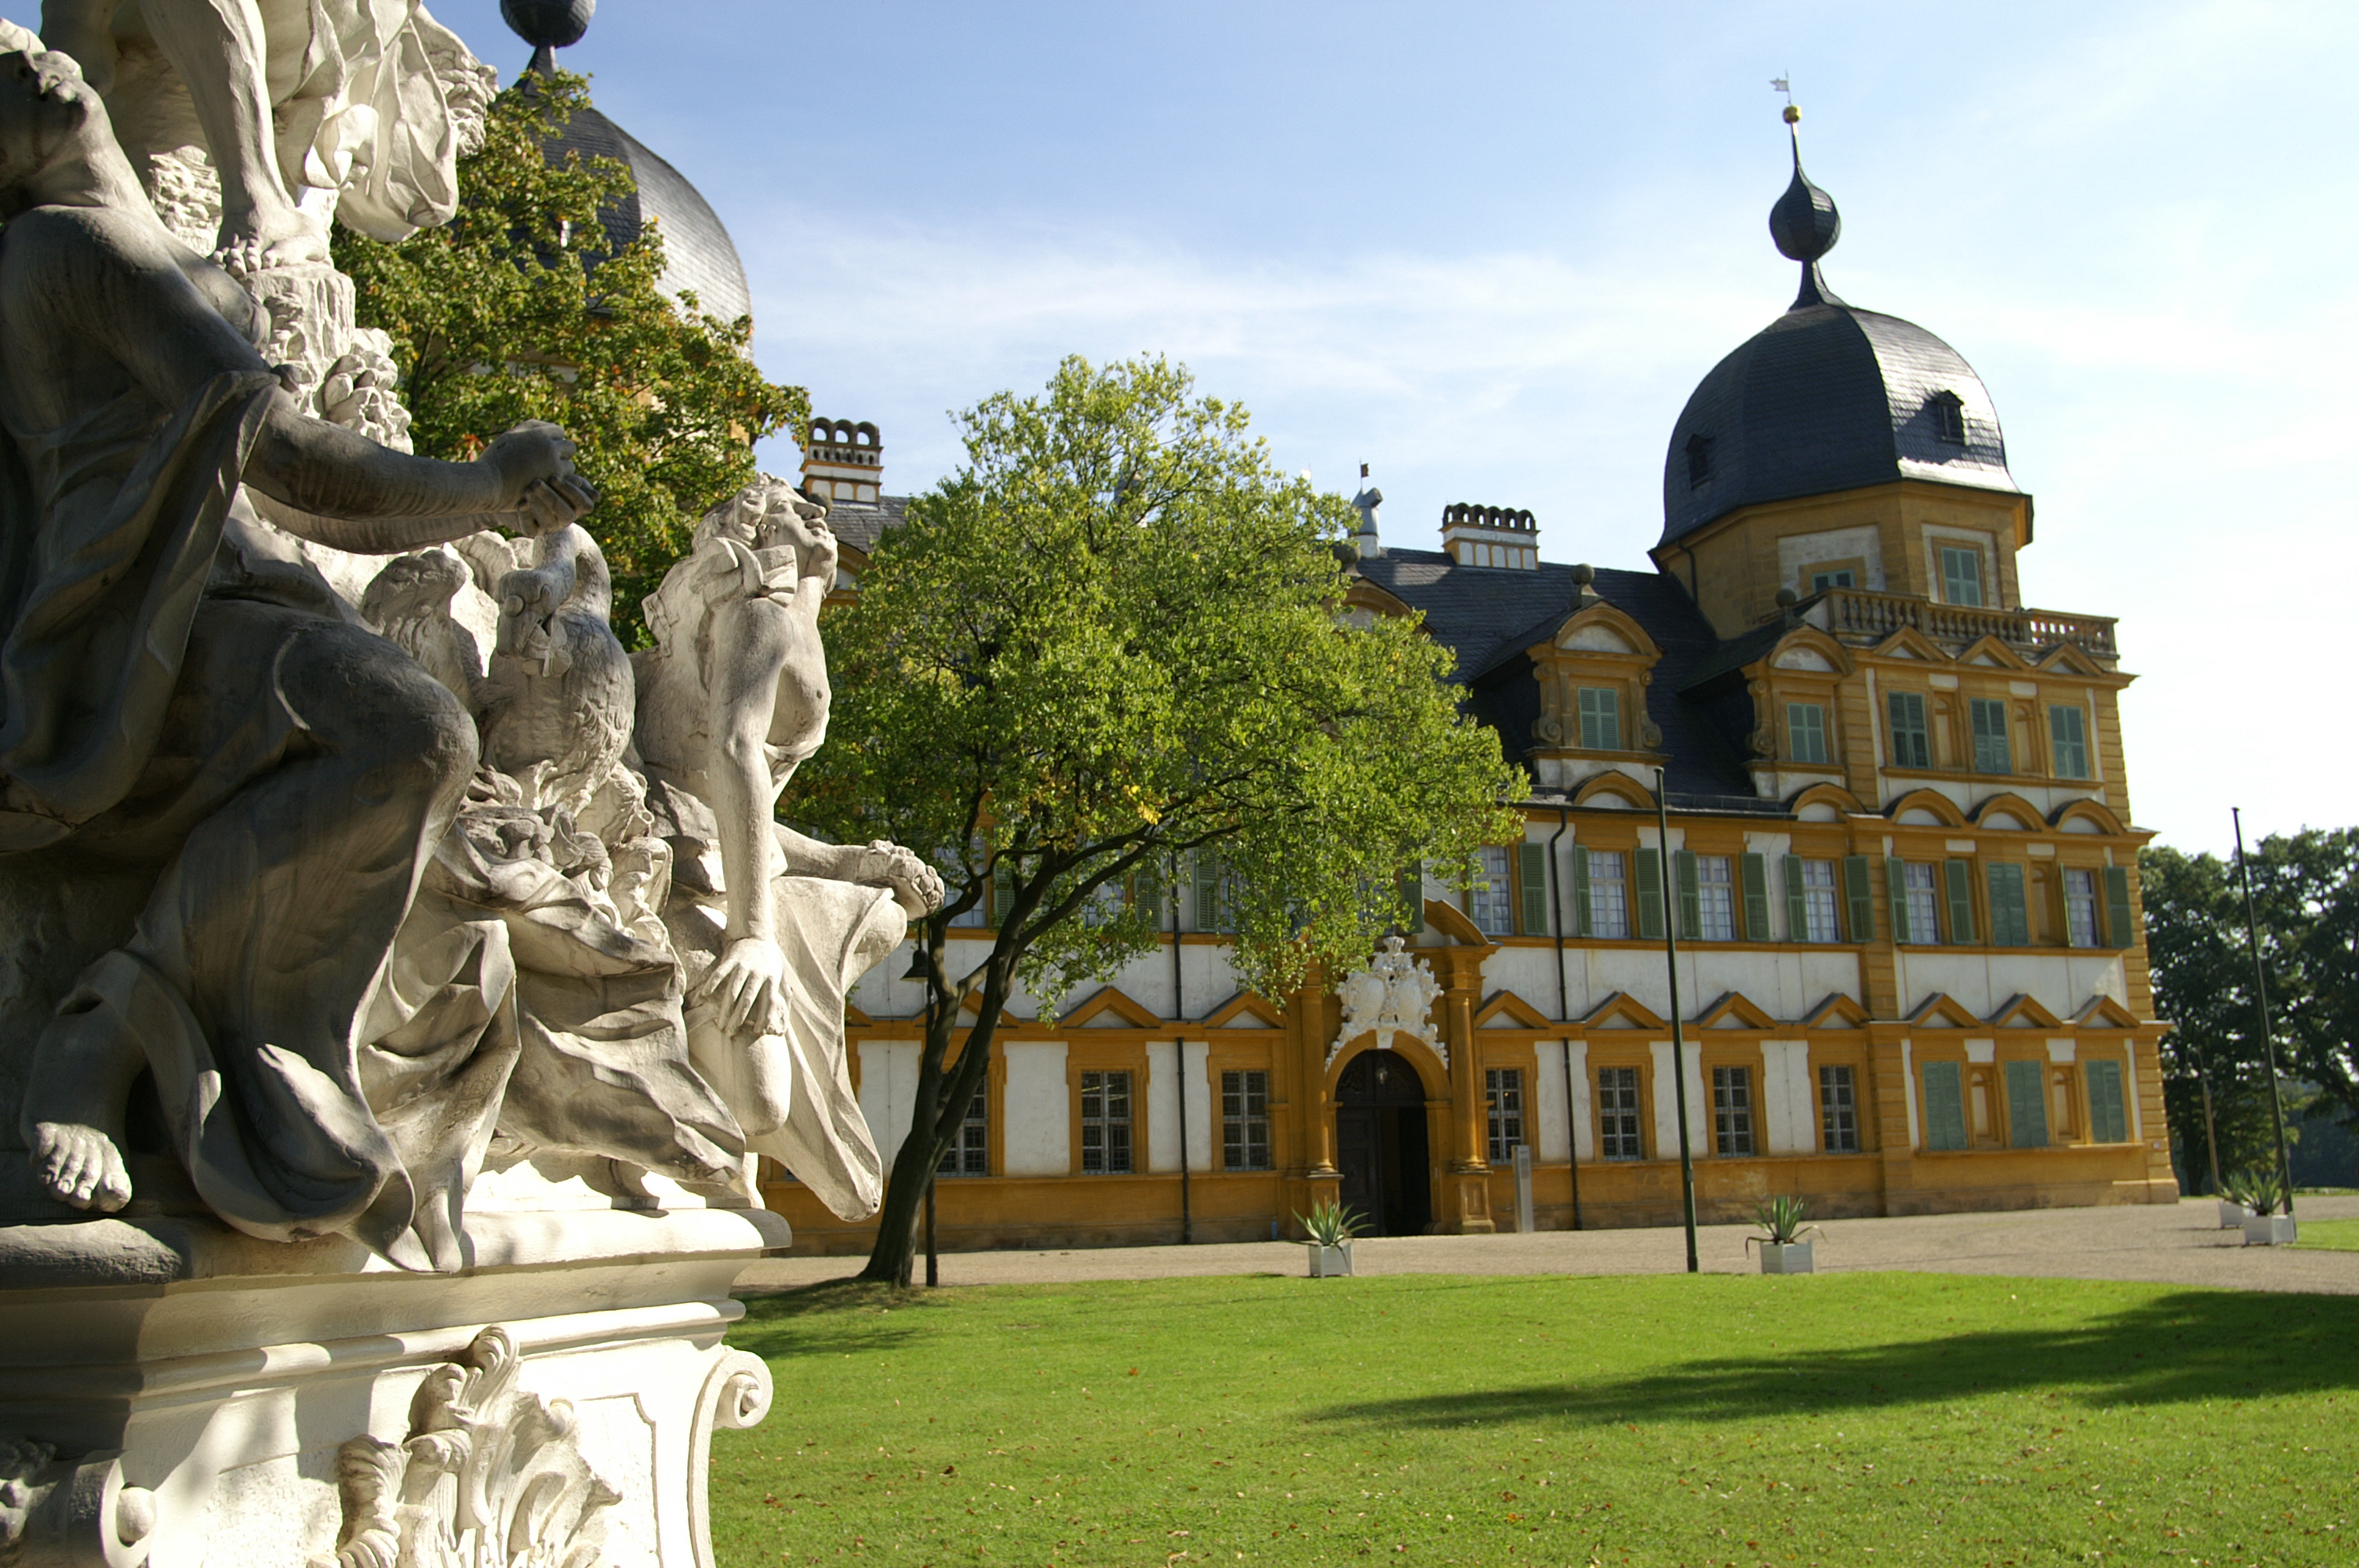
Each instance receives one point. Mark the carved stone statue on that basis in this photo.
(1394, 995)
(181, 693)
(771, 925)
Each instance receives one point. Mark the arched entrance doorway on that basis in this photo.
(1380, 1144)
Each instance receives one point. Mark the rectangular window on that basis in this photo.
(1731, 1110)
(2010, 915)
(1609, 893)
(2027, 1105)
(1945, 1106)
(1924, 901)
(1245, 1122)
(1990, 737)
(970, 1152)
(1912, 742)
(2081, 907)
(1806, 729)
(1821, 922)
(1715, 899)
(1503, 1089)
(2068, 740)
(1601, 718)
(1961, 575)
(1617, 1114)
(1105, 1124)
(1491, 904)
(1821, 581)
(2106, 1123)
(1837, 1111)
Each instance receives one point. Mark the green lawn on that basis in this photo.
(1844, 1418)
(2331, 1234)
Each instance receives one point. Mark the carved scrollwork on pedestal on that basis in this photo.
(519, 1494)
(72, 1513)
(736, 1394)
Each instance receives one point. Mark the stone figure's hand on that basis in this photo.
(916, 886)
(749, 985)
(535, 462)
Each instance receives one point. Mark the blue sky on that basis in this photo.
(1490, 248)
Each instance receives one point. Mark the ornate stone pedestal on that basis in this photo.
(179, 1396)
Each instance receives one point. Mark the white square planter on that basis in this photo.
(1793, 1258)
(2269, 1230)
(1331, 1262)
(2233, 1215)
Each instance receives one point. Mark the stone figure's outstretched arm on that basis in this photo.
(751, 644)
(115, 280)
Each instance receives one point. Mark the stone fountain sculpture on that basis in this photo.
(392, 1002)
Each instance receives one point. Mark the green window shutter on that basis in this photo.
(2027, 1105)
(1147, 891)
(1858, 893)
(2117, 906)
(1945, 1107)
(1532, 869)
(1961, 878)
(1991, 752)
(2106, 1123)
(1583, 923)
(1912, 745)
(2010, 915)
(1650, 892)
(1002, 892)
(1601, 718)
(1683, 870)
(1412, 895)
(2067, 737)
(1797, 909)
(1895, 893)
(1755, 871)
(1207, 868)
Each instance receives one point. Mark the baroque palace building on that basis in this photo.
(1901, 855)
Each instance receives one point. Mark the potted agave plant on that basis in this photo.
(1783, 1251)
(2258, 1192)
(1329, 1229)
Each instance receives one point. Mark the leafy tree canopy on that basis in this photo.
(520, 307)
(2306, 894)
(1108, 646)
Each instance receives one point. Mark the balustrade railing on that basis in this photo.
(1853, 612)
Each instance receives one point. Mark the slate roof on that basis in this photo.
(699, 256)
(861, 523)
(1829, 397)
(1490, 615)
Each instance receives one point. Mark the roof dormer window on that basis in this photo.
(1949, 417)
(1699, 461)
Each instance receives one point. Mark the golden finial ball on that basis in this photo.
(1793, 116)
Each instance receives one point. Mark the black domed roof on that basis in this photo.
(1827, 397)
(699, 256)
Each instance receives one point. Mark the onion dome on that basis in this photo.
(1827, 397)
(699, 256)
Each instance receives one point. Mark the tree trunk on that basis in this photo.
(934, 1120)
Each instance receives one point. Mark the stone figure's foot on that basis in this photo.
(80, 1165)
(257, 242)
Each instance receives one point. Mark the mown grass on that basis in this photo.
(2330, 1235)
(1845, 1419)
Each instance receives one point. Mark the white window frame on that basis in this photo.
(1922, 881)
(1491, 904)
(1113, 1151)
(1244, 1119)
(1609, 896)
(970, 1151)
(1502, 1100)
(1621, 1131)
(1715, 898)
(1838, 1109)
(2082, 897)
(1822, 903)
(1732, 1111)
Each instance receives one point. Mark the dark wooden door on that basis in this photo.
(1380, 1144)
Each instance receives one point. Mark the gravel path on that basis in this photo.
(2165, 1244)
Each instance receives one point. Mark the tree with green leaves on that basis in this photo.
(2306, 896)
(1109, 645)
(520, 307)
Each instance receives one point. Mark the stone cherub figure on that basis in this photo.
(771, 925)
(179, 694)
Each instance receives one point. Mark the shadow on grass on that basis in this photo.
(850, 1314)
(2180, 1348)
